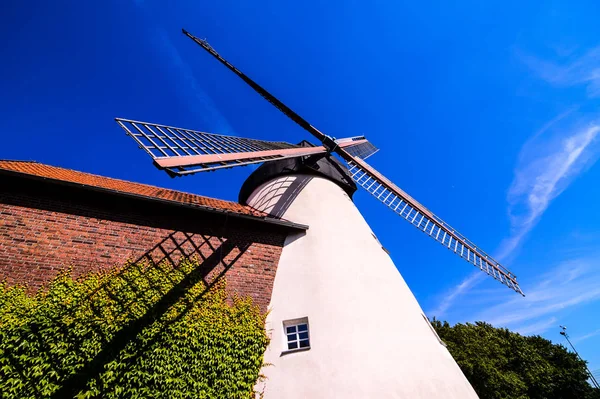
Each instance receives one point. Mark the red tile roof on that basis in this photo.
(124, 187)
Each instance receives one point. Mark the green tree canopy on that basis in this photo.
(503, 364)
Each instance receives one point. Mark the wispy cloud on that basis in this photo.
(586, 336)
(556, 153)
(572, 71)
(548, 162)
(537, 327)
(453, 294)
(196, 98)
(564, 287)
(547, 165)
(551, 297)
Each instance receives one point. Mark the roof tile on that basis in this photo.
(122, 186)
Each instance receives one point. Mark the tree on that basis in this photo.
(501, 364)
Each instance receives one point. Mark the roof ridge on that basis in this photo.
(118, 179)
(58, 174)
(61, 175)
(20, 160)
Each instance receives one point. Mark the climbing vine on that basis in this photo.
(141, 331)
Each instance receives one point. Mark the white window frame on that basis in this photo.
(295, 324)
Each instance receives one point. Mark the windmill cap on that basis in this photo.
(322, 165)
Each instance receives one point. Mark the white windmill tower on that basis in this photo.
(343, 322)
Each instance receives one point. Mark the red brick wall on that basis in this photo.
(45, 229)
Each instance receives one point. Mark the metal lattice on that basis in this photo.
(184, 151)
(363, 150)
(428, 223)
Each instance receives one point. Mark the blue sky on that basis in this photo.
(486, 113)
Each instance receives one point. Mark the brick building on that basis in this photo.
(53, 218)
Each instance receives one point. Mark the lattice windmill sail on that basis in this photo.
(182, 151)
(312, 263)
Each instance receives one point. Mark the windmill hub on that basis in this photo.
(329, 143)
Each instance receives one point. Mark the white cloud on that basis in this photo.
(546, 168)
(586, 336)
(551, 297)
(452, 295)
(538, 327)
(573, 71)
(553, 156)
(566, 286)
(200, 100)
(548, 163)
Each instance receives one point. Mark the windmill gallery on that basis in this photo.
(304, 251)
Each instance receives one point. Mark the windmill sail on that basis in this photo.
(362, 150)
(412, 211)
(385, 190)
(262, 91)
(183, 151)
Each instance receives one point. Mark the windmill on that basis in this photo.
(368, 335)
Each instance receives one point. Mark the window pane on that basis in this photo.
(291, 329)
(291, 337)
(304, 344)
(303, 335)
(303, 327)
(292, 345)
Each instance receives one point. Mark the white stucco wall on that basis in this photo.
(369, 338)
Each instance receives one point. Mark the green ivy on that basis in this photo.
(141, 331)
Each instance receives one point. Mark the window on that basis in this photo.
(296, 333)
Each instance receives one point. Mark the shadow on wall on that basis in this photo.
(276, 196)
(213, 257)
